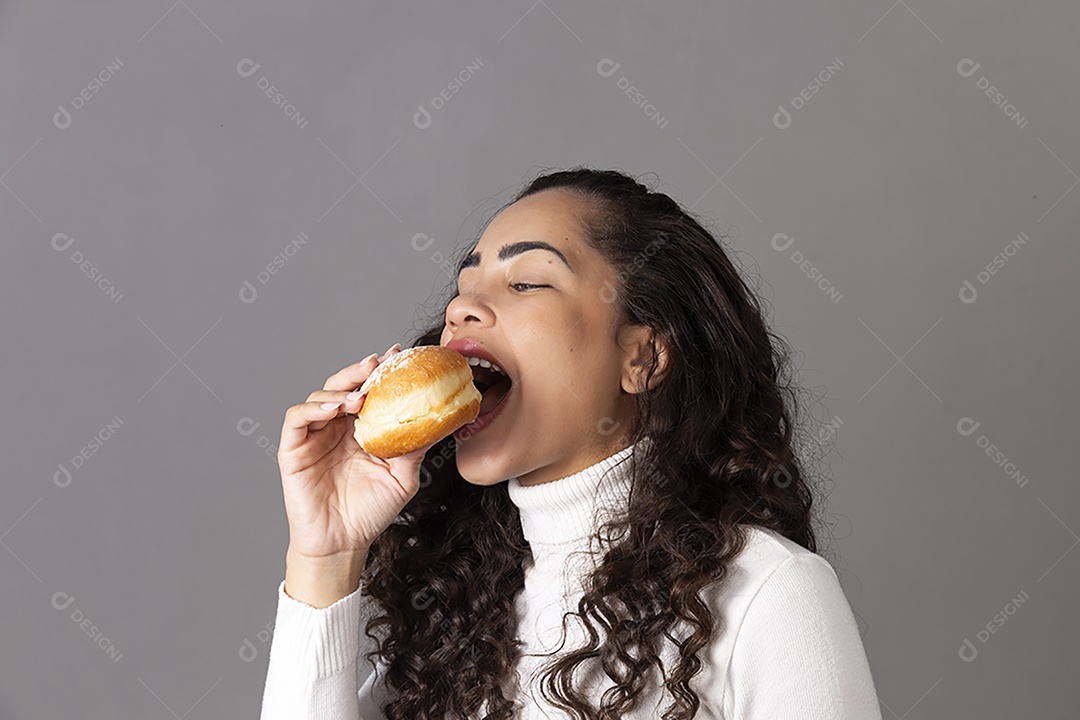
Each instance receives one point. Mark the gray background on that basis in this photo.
(180, 180)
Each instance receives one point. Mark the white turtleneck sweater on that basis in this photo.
(788, 648)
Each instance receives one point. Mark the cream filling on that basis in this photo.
(437, 401)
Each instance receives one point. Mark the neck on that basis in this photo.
(569, 508)
(566, 468)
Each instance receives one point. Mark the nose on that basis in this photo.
(466, 308)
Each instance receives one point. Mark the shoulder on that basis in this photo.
(770, 567)
(784, 621)
(767, 557)
(765, 546)
(767, 561)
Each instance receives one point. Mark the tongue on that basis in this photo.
(493, 395)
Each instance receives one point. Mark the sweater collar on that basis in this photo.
(568, 509)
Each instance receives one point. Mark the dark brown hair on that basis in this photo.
(721, 455)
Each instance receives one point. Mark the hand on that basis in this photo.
(339, 498)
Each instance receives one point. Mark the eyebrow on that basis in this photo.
(513, 249)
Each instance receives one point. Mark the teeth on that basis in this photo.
(486, 364)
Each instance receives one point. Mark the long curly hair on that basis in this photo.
(721, 455)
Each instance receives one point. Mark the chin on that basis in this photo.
(478, 467)
(481, 479)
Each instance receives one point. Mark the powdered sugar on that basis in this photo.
(389, 364)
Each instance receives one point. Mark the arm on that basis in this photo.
(313, 658)
(798, 653)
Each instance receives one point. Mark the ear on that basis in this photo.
(639, 342)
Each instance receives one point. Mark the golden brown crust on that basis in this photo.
(432, 384)
(411, 436)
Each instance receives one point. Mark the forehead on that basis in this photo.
(554, 216)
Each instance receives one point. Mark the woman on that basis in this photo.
(629, 536)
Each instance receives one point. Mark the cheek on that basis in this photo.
(578, 373)
(561, 358)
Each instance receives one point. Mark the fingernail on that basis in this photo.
(354, 395)
(388, 351)
(368, 359)
(330, 405)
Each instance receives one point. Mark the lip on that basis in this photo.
(467, 431)
(472, 348)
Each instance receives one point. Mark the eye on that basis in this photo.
(527, 286)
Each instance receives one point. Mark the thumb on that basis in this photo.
(408, 465)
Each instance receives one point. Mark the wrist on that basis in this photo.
(322, 581)
(344, 558)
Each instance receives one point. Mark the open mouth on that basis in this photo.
(492, 383)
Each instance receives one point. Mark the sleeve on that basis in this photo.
(312, 674)
(797, 653)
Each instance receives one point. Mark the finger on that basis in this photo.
(299, 419)
(354, 399)
(408, 469)
(403, 466)
(416, 456)
(353, 376)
